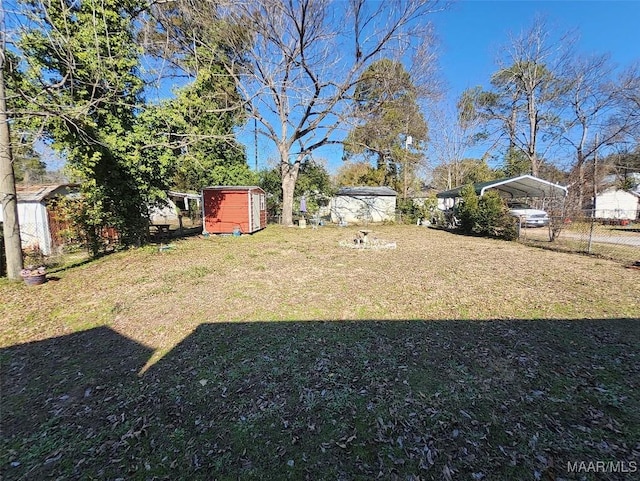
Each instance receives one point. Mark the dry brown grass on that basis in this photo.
(463, 358)
(157, 297)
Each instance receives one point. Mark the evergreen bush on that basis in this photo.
(467, 209)
(486, 216)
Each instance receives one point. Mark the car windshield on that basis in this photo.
(519, 205)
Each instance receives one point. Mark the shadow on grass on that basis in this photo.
(54, 268)
(327, 400)
(176, 234)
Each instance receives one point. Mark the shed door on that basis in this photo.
(255, 211)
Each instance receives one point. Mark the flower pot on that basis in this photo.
(34, 280)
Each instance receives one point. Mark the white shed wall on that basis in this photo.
(360, 209)
(616, 204)
(34, 226)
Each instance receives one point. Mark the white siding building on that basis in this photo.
(39, 227)
(361, 205)
(617, 204)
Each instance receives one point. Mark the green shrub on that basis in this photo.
(494, 219)
(409, 211)
(468, 209)
(486, 216)
(412, 210)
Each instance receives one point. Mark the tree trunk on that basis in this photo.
(534, 165)
(8, 196)
(288, 186)
(533, 132)
(580, 166)
(289, 177)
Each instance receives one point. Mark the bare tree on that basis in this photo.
(306, 60)
(629, 97)
(452, 134)
(296, 63)
(532, 68)
(601, 110)
(523, 101)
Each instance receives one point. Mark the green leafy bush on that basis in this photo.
(409, 211)
(494, 219)
(486, 216)
(468, 210)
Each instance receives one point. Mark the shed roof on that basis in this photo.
(232, 187)
(520, 186)
(367, 191)
(37, 193)
(184, 195)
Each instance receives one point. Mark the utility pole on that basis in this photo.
(255, 141)
(595, 193)
(407, 142)
(8, 196)
(595, 173)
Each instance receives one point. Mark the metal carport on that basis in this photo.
(513, 187)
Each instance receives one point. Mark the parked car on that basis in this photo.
(529, 217)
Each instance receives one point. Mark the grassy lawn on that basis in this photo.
(284, 355)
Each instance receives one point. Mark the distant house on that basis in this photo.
(40, 226)
(632, 179)
(615, 203)
(360, 205)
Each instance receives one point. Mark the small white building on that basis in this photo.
(164, 214)
(617, 204)
(360, 205)
(176, 204)
(40, 227)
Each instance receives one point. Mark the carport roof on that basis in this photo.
(513, 187)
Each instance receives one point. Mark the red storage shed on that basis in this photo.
(226, 208)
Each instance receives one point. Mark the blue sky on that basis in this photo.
(471, 33)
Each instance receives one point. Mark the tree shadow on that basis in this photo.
(88, 259)
(326, 400)
(58, 396)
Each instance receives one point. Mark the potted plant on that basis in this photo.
(34, 276)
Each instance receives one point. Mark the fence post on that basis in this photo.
(591, 232)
